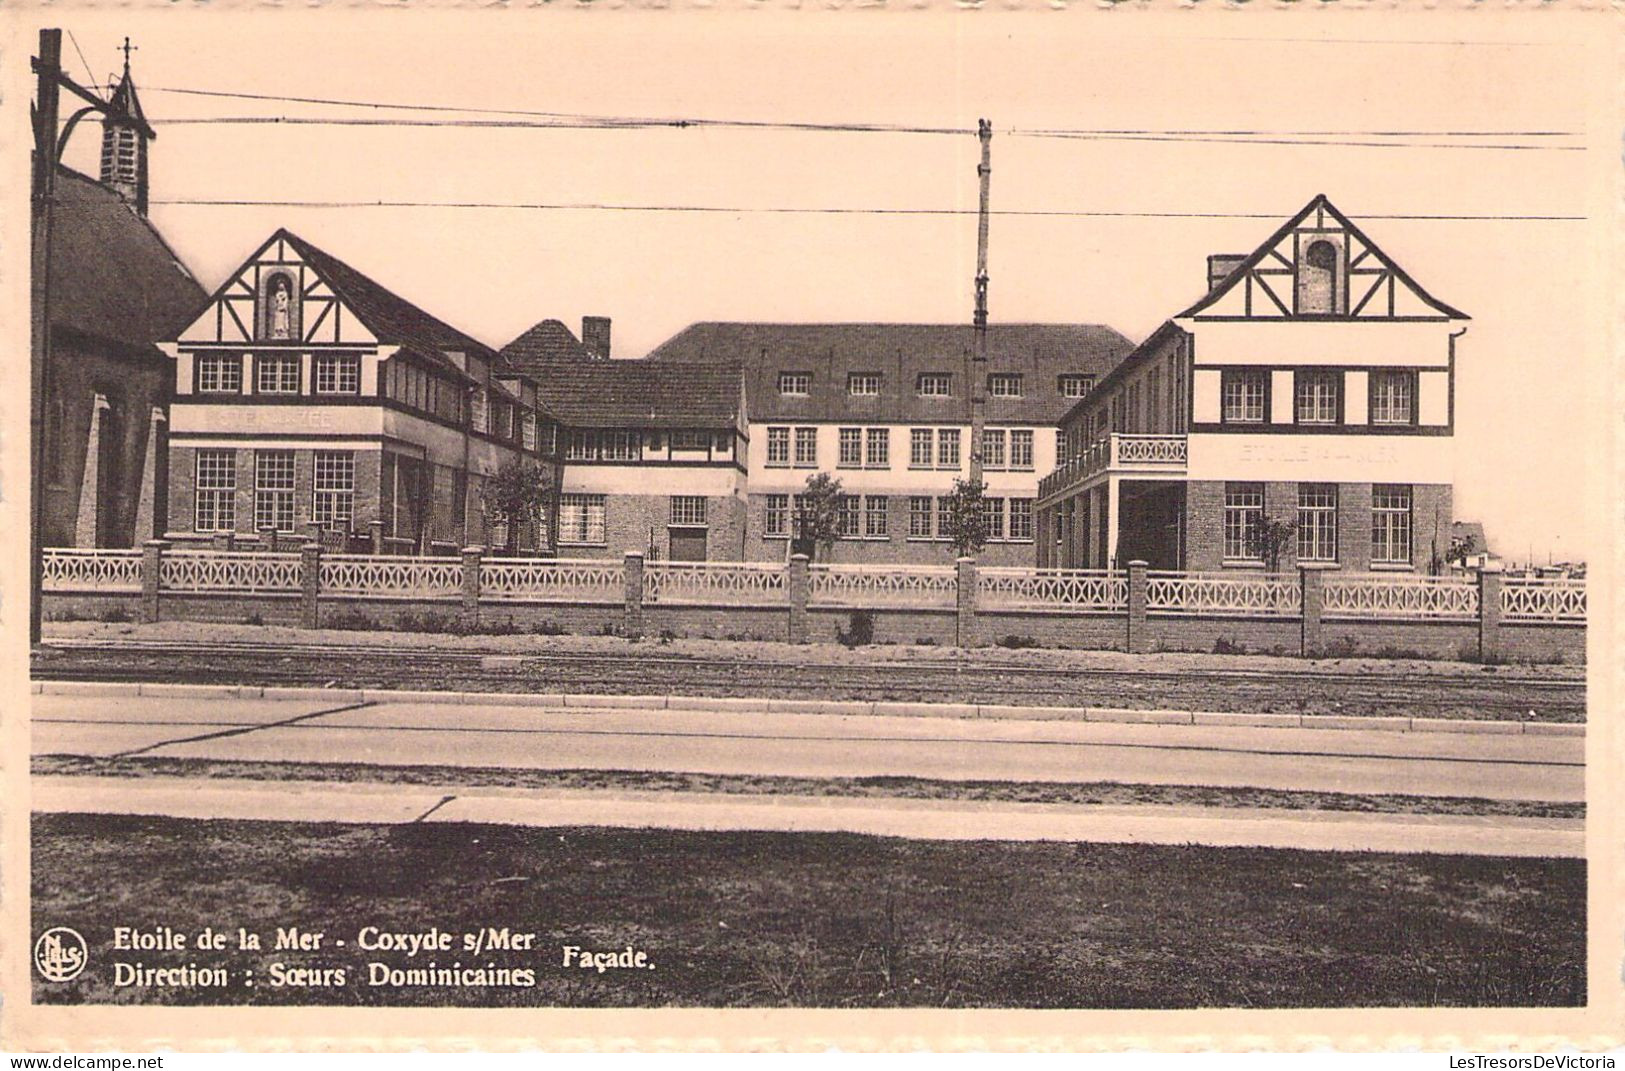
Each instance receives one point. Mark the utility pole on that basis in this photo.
(978, 375)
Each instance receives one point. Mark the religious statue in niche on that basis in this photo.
(279, 313)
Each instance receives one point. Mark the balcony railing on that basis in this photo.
(1131, 453)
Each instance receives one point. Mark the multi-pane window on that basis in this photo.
(1004, 384)
(688, 510)
(848, 516)
(993, 448)
(863, 384)
(877, 448)
(219, 375)
(806, 448)
(934, 384)
(1242, 395)
(919, 448)
(993, 513)
(479, 411)
(338, 374)
(689, 439)
(1393, 397)
(581, 518)
(621, 445)
(216, 486)
(1021, 518)
(776, 518)
(947, 448)
(581, 446)
(273, 490)
(945, 517)
(874, 516)
(921, 512)
(1391, 523)
(1075, 385)
(795, 383)
(1317, 522)
(851, 453)
(334, 505)
(778, 446)
(277, 375)
(1021, 449)
(1317, 396)
(1243, 513)
(527, 431)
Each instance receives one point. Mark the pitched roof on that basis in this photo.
(898, 353)
(386, 314)
(1473, 530)
(1322, 203)
(588, 393)
(549, 340)
(112, 275)
(125, 100)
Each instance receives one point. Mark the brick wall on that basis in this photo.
(630, 519)
(895, 549)
(183, 489)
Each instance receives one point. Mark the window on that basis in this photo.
(581, 518)
(1004, 384)
(1391, 524)
(877, 448)
(1317, 522)
(934, 384)
(581, 446)
(338, 374)
(1393, 396)
(945, 517)
(1243, 513)
(620, 445)
(795, 383)
(479, 411)
(921, 510)
(334, 506)
(527, 431)
(219, 375)
(688, 510)
(687, 439)
(277, 375)
(874, 516)
(851, 454)
(1242, 392)
(919, 448)
(993, 512)
(216, 484)
(1074, 385)
(778, 446)
(1021, 449)
(848, 514)
(1021, 519)
(948, 448)
(806, 448)
(863, 384)
(776, 519)
(993, 448)
(1317, 397)
(273, 490)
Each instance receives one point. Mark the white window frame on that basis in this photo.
(1021, 509)
(922, 448)
(1244, 396)
(778, 447)
(274, 489)
(581, 520)
(877, 448)
(1243, 511)
(1317, 522)
(333, 488)
(922, 507)
(806, 437)
(687, 511)
(776, 517)
(225, 372)
(876, 517)
(271, 373)
(863, 384)
(1385, 397)
(948, 452)
(1392, 523)
(1076, 384)
(1021, 450)
(849, 448)
(1004, 384)
(340, 373)
(993, 444)
(214, 490)
(1316, 396)
(934, 385)
(795, 384)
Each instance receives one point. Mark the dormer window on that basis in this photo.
(279, 308)
(1075, 385)
(1004, 384)
(935, 384)
(795, 384)
(863, 384)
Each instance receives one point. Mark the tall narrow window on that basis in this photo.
(993, 513)
(1242, 394)
(1317, 522)
(848, 516)
(993, 440)
(877, 448)
(1021, 449)
(776, 518)
(919, 517)
(273, 490)
(806, 448)
(1243, 513)
(1318, 398)
(919, 448)
(216, 487)
(778, 446)
(851, 452)
(874, 516)
(1393, 397)
(1021, 519)
(948, 448)
(1391, 524)
(334, 505)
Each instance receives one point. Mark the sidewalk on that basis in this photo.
(312, 801)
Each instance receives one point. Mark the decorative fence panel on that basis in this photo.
(390, 577)
(1223, 594)
(69, 569)
(1150, 450)
(552, 580)
(228, 572)
(883, 587)
(1534, 599)
(1378, 597)
(710, 583)
(1072, 591)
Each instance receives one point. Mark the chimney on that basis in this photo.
(595, 337)
(1221, 264)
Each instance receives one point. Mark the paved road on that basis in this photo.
(746, 742)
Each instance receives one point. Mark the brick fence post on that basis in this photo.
(1489, 611)
(965, 584)
(310, 584)
(1138, 641)
(799, 584)
(376, 530)
(152, 558)
(471, 582)
(632, 611)
(268, 538)
(1312, 593)
(224, 541)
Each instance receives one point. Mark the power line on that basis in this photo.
(90, 75)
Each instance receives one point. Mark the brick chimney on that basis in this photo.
(1221, 264)
(595, 337)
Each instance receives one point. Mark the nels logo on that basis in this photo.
(60, 954)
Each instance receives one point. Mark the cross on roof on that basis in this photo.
(127, 48)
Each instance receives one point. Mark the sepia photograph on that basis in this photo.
(1077, 511)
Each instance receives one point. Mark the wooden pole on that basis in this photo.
(46, 113)
(978, 377)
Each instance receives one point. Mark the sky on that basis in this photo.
(1529, 366)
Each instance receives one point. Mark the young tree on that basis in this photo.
(1462, 547)
(964, 518)
(516, 493)
(818, 514)
(1268, 537)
